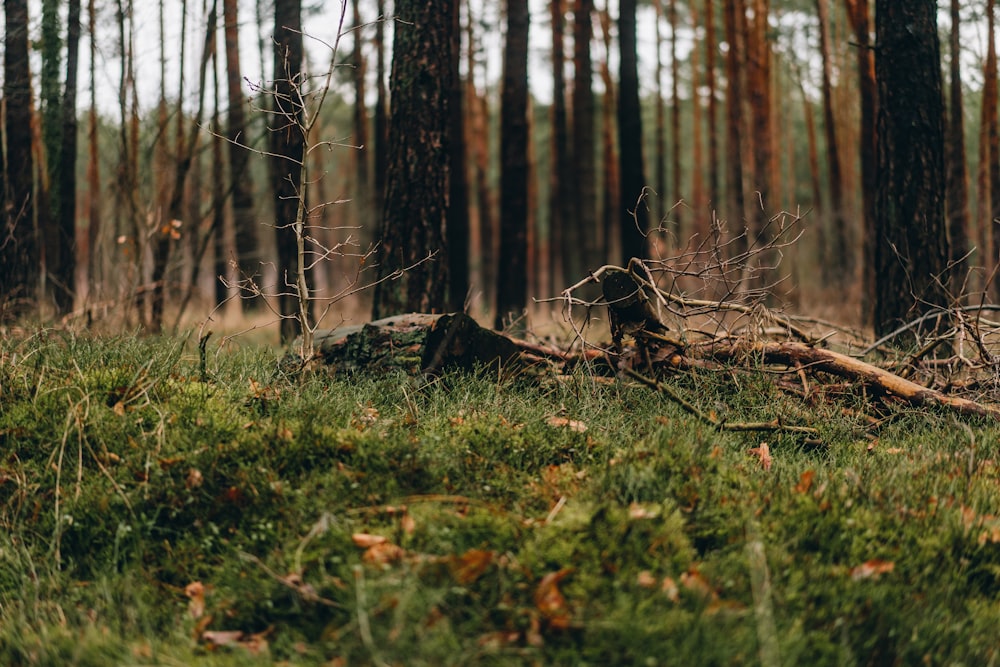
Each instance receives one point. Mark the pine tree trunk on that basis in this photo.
(734, 127)
(240, 178)
(632, 209)
(92, 261)
(457, 224)
(19, 255)
(416, 194)
(713, 112)
(957, 199)
(512, 281)
(912, 252)
(286, 146)
(586, 235)
(559, 175)
(611, 181)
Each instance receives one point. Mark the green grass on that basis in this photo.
(649, 538)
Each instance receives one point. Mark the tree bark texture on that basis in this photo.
(417, 178)
(582, 204)
(512, 278)
(911, 255)
(561, 165)
(957, 199)
(286, 146)
(457, 223)
(18, 241)
(633, 213)
(240, 180)
(734, 123)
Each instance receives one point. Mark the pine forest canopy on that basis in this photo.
(570, 130)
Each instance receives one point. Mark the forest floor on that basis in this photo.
(157, 511)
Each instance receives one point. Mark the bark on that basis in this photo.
(989, 164)
(837, 265)
(858, 15)
(380, 124)
(912, 252)
(611, 179)
(957, 199)
(240, 178)
(416, 196)
(659, 202)
(734, 125)
(713, 112)
(457, 224)
(560, 179)
(758, 54)
(287, 149)
(633, 213)
(19, 255)
(93, 164)
(512, 282)
(701, 220)
(675, 129)
(64, 275)
(586, 233)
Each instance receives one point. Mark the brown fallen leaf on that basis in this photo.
(383, 553)
(195, 591)
(669, 587)
(220, 638)
(637, 511)
(471, 565)
(645, 579)
(366, 540)
(805, 482)
(550, 600)
(872, 569)
(693, 581)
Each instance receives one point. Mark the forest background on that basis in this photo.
(139, 192)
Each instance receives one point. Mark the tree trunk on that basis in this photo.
(992, 125)
(633, 213)
(677, 194)
(240, 178)
(380, 125)
(987, 129)
(586, 235)
(957, 200)
(701, 218)
(286, 145)
(734, 126)
(912, 252)
(758, 53)
(512, 281)
(560, 179)
(837, 265)
(457, 223)
(611, 180)
(659, 201)
(19, 257)
(416, 194)
(94, 277)
(858, 15)
(713, 112)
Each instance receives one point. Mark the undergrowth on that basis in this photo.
(150, 514)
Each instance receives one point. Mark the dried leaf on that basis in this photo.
(550, 601)
(219, 638)
(763, 453)
(407, 523)
(872, 569)
(646, 579)
(563, 422)
(383, 554)
(366, 540)
(805, 482)
(697, 584)
(196, 596)
(471, 565)
(119, 409)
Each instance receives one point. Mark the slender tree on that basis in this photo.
(18, 244)
(677, 192)
(416, 193)
(634, 214)
(287, 153)
(64, 283)
(713, 104)
(457, 223)
(734, 120)
(911, 256)
(561, 170)
(93, 164)
(380, 124)
(512, 282)
(957, 200)
(988, 131)
(240, 178)
(611, 179)
(586, 234)
(837, 267)
(859, 16)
